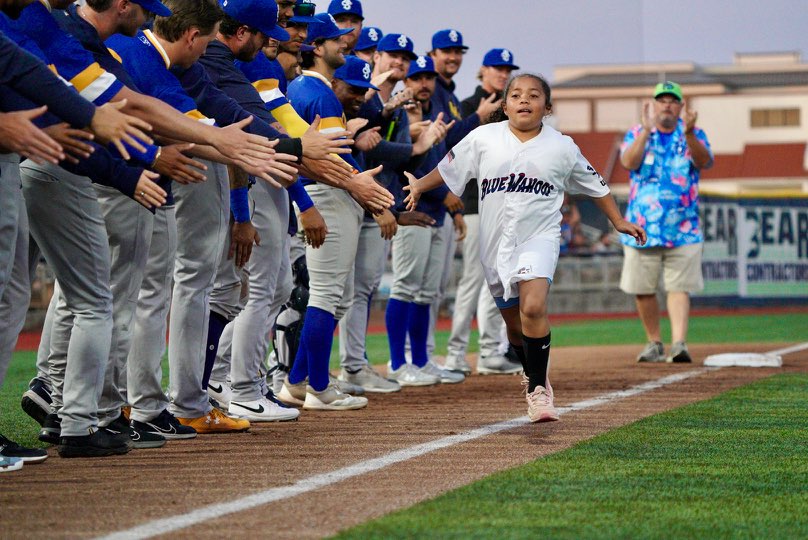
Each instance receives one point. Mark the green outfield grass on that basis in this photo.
(731, 467)
(787, 327)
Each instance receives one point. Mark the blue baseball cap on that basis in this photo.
(355, 72)
(447, 39)
(338, 7)
(325, 27)
(422, 64)
(260, 14)
(397, 43)
(304, 12)
(499, 57)
(154, 6)
(368, 38)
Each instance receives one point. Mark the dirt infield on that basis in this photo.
(80, 498)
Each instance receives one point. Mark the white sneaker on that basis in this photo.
(444, 375)
(345, 387)
(370, 380)
(221, 392)
(493, 365)
(8, 464)
(540, 406)
(331, 399)
(262, 410)
(457, 363)
(409, 375)
(293, 394)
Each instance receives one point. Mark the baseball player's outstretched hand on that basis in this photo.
(313, 226)
(276, 169)
(318, 145)
(334, 172)
(367, 140)
(18, 134)
(173, 163)
(487, 107)
(147, 192)
(242, 147)
(242, 237)
(415, 218)
(111, 126)
(72, 140)
(387, 224)
(368, 193)
(632, 229)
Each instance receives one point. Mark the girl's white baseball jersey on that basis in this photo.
(521, 188)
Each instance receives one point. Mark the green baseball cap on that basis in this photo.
(668, 87)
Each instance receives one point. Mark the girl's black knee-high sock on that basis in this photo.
(519, 350)
(537, 359)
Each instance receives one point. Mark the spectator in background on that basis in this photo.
(665, 154)
(572, 239)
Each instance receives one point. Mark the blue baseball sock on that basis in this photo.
(215, 328)
(318, 335)
(395, 318)
(418, 327)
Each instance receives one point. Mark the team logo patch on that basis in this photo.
(346, 4)
(506, 55)
(402, 41)
(453, 36)
(421, 62)
(366, 72)
(373, 34)
(525, 270)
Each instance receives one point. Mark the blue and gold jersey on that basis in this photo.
(65, 56)
(148, 64)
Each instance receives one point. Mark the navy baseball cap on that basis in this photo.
(397, 43)
(338, 7)
(499, 57)
(355, 72)
(369, 38)
(259, 14)
(325, 27)
(154, 6)
(304, 12)
(447, 39)
(422, 64)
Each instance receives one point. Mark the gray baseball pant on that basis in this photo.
(331, 267)
(11, 206)
(447, 266)
(129, 229)
(418, 254)
(473, 295)
(371, 254)
(68, 226)
(144, 363)
(203, 215)
(269, 274)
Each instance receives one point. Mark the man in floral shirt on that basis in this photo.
(665, 155)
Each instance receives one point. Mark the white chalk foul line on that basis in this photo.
(788, 350)
(214, 511)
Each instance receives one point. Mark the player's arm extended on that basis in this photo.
(418, 186)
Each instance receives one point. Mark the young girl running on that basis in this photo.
(523, 168)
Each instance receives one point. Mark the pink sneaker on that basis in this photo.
(540, 404)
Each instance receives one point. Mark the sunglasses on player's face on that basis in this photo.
(305, 9)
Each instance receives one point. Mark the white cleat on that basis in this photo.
(331, 399)
(262, 410)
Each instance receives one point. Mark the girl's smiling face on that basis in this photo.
(526, 103)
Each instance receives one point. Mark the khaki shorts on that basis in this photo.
(681, 265)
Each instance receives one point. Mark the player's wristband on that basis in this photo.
(240, 204)
(300, 196)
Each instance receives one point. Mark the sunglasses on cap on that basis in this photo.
(305, 9)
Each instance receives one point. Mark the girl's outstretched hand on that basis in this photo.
(629, 228)
(411, 200)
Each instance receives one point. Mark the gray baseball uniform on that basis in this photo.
(11, 209)
(371, 255)
(144, 363)
(67, 224)
(203, 216)
(418, 255)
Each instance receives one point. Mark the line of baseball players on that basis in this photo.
(173, 185)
